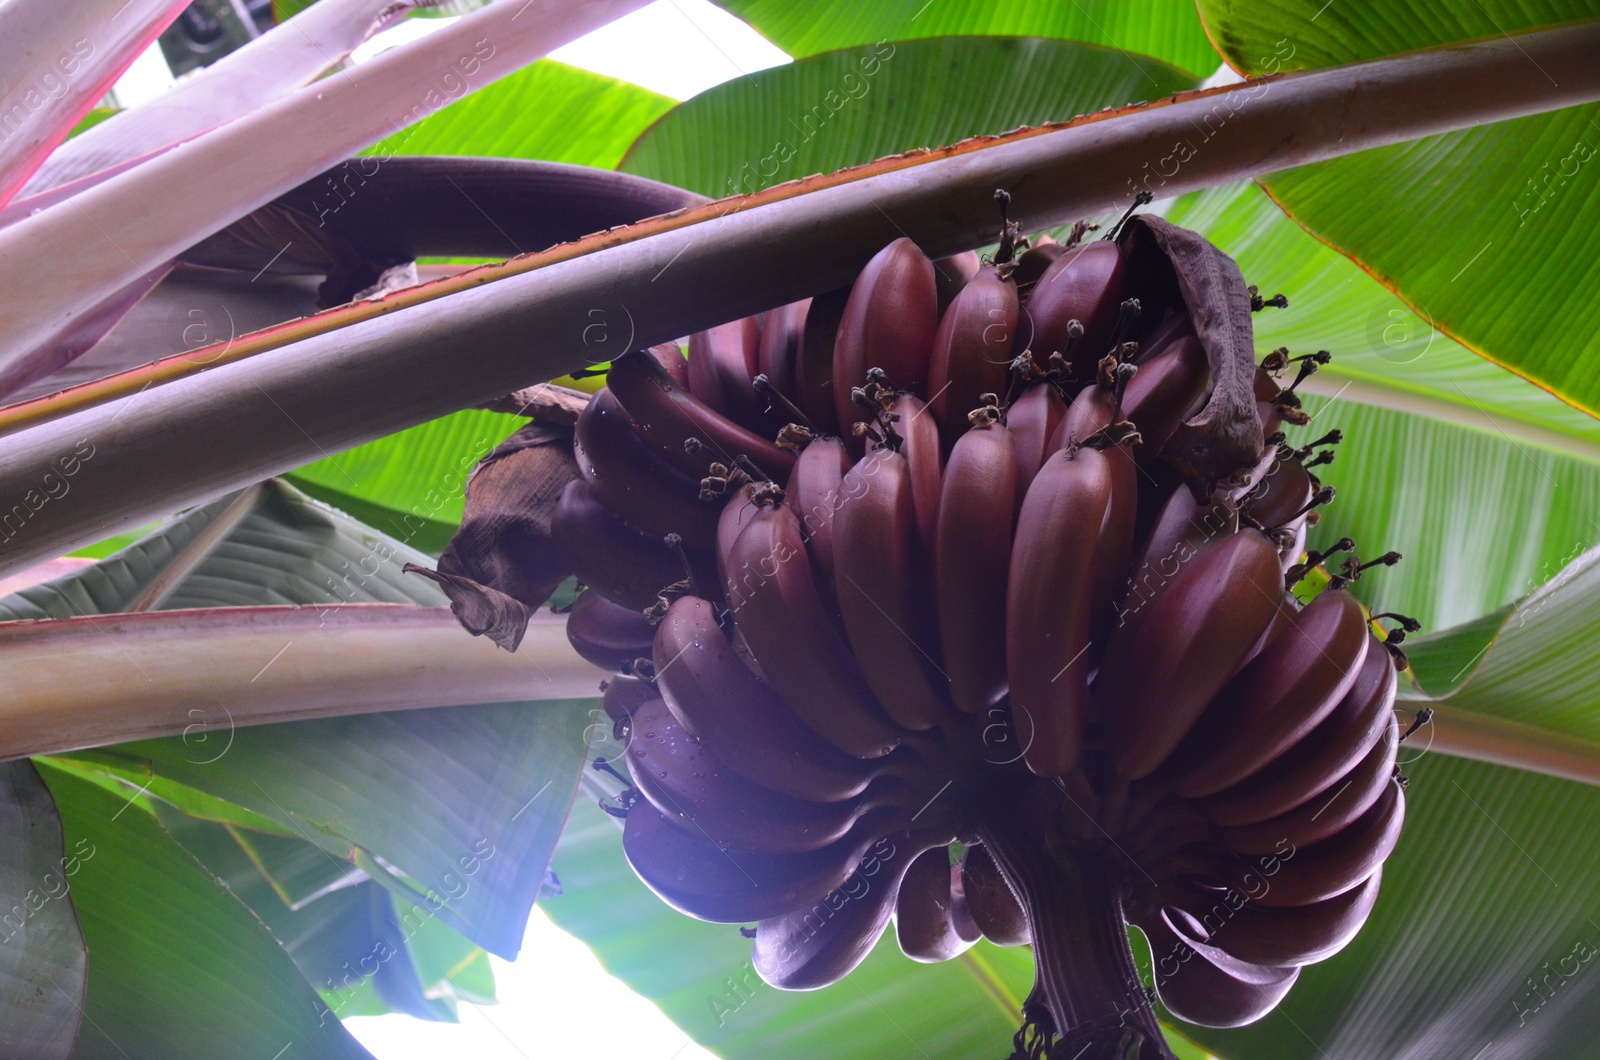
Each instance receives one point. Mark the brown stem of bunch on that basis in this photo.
(1092, 1000)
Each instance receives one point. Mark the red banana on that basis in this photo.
(622, 694)
(1032, 420)
(814, 374)
(1032, 262)
(888, 323)
(1170, 387)
(1049, 601)
(951, 275)
(1181, 530)
(887, 612)
(737, 511)
(611, 557)
(972, 351)
(648, 394)
(768, 579)
(778, 358)
(815, 492)
(1317, 762)
(1266, 389)
(633, 481)
(972, 560)
(1157, 678)
(822, 942)
(670, 356)
(725, 886)
(1094, 409)
(1333, 866)
(1276, 699)
(609, 635)
(994, 905)
(722, 363)
(1351, 795)
(1280, 495)
(1297, 935)
(919, 444)
(924, 920)
(966, 927)
(1293, 550)
(739, 717)
(1201, 984)
(1289, 608)
(701, 795)
(1174, 329)
(1088, 284)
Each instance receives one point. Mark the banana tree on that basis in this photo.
(271, 443)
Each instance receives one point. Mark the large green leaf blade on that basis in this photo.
(342, 938)
(410, 485)
(1479, 521)
(1482, 231)
(1165, 29)
(1488, 493)
(1307, 34)
(461, 806)
(180, 969)
(533, 113)
(279, 547)
(1387, 353)
(1533, 662)
(858, 104)
(42, 966)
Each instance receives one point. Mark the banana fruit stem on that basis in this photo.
(1085, 976)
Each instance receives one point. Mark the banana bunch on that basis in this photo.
(962, 599)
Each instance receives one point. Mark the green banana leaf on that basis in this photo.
(180, 968)
(857, 104)
(532, 114)
(278, 546)
(1346, 31)
(1477, 230)
(411, 485)
(1387, 353)
(1480, 231)
(337, 936)
(42, 965)
(456, 809)
(1498, 477)
(1530, 662)
(1478, 521)
(1168, 30)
